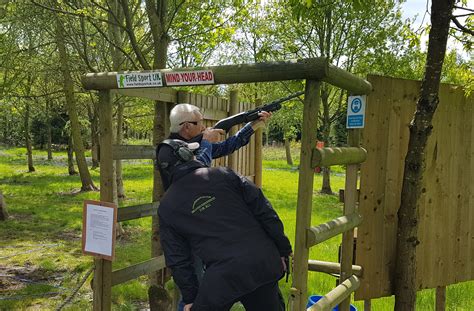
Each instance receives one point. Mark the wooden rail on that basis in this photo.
(338, 294)
(310, 68)
(332, 267)
(121, 152)
(167, 95)
(132, 272)
(137, 211)
(338, 156)
(323, 232)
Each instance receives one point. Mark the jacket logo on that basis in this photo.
(202, 203)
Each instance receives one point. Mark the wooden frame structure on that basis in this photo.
(313, 71)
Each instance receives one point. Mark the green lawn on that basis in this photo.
(40, 245)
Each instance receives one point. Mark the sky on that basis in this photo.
(412, 8)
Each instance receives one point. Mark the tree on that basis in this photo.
(420, 130)
(86, 180)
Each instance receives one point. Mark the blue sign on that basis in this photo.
(355, 112)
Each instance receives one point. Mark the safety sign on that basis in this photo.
(356, 112)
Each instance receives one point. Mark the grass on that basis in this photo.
(40, 244)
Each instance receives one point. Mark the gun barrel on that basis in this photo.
(284, 99)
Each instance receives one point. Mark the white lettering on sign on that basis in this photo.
(189, 77)
(139, 79)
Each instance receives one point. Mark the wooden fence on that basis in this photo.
(446, 229)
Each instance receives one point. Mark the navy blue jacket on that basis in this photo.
(227, 222)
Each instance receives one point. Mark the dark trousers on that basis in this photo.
(267, 297)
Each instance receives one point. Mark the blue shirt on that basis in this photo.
(208, 151)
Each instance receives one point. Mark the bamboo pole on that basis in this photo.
(233, 109)
(334, 297)
(102, 285)
(298, 295)
(350, 200)
(325, 157)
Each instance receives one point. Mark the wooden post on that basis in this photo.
(367, 305)
(298, 296)
(102, 285)
(350, 200)
(183, 97)
(258, 152)
(440, 298)
(233, 109)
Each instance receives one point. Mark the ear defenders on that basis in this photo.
(180, 150)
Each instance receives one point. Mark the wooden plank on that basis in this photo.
(332, 228)
(137, 211)
(372, 177)
(298, 296)
(133, 152)
(332, 267)
(470, 216)
(465, 181)
(329, 156)
(162, 94)
(338, 294)
(133, 272)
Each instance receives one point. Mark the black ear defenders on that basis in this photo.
(180, 151)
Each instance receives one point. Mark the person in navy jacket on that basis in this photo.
(227, 222)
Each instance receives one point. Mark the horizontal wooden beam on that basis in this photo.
(137, 211)
(323, 232)
(325, 157)
(133, 272)
(311, 68)
(168, 95)
(337, 295)
(347, 81)
(120, 152)
(332, 267)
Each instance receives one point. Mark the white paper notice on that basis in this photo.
(99, 226)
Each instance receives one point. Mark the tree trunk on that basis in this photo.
(157, 15)
(94, 121)
(3, 208)
(86, 180)
(289, 160)
(49, 133)
(326, 186)
(29, 152)
(420, 129)
(70, 157)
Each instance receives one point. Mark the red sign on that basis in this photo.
(189, 77)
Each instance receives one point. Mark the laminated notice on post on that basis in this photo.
(98, 229)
